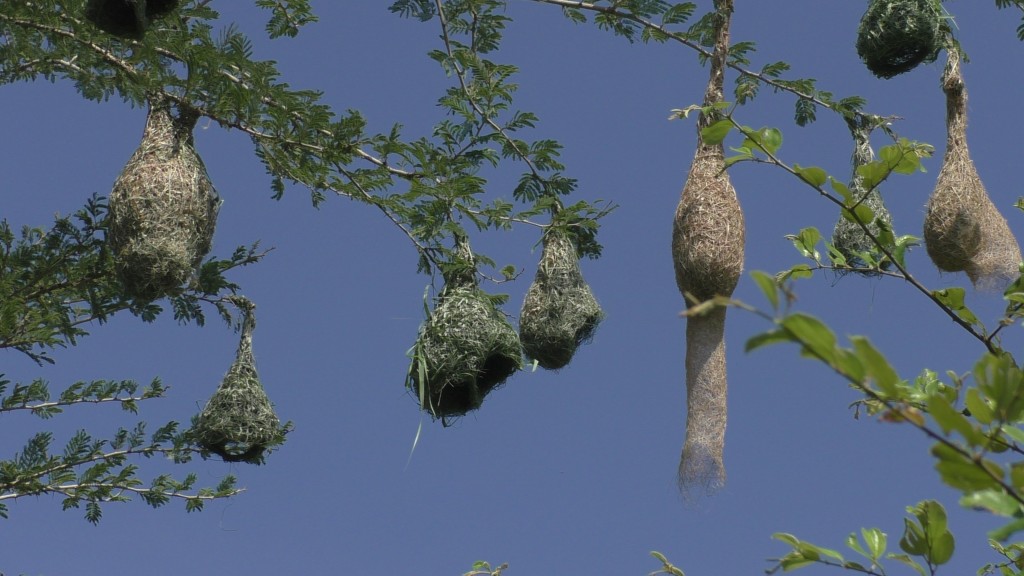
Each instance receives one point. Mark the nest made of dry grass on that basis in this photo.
(897, 35)
(708, 230)
(559, 313)
(163, 207)
(127, 18)
(963, 229)
(238, 423)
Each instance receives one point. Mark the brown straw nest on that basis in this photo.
(465, 348)
(163, 208)
(963, 229)
(848, 237)
(127, 18)
(895, 36)
(238, 422)
(707, 250)
(559, 312)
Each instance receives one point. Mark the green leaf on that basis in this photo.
(812, 175)
(1004, 533)
(806, 242)
(903, 558)
(878, 368)
(766, 338)
(716, 132)
(953, 298)
(876, 541)
(994, 500)
(964, 473)
(950, 419)
(768, 286)
(817, 339)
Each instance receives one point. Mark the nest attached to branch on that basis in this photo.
(465, 348)
(127, 18)
(707, 251)
(896, 35)
(163, 208)
(848, 237)
(238, 422)
(963, 229)
(559, 312)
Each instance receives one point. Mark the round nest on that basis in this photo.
(238, 422)
(464, 350)
(848, 237)
(559, 312)
(896, 35)
(163, 208)
(963, 229)
(708, 231)
(127, 18)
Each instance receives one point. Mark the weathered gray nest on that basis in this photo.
(963, 229)
(127, 18)
(701, 465)
(163, 208)
(559, 312)
(238, 422)
(708, 230)
(465, 348)
(896, 35)
(849, 238)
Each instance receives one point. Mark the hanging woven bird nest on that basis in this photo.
(707, 251)
(896, 35)
(848, 237)
(127, 18)
(163, 208)
(559, 312)
(963, 230)
(239, 423)
(465, 348)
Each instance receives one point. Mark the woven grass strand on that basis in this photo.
(238, 423)
(163, 207)
(895, 36)
(848, 237)
(559, 312)
(963, 229)
(708, 249)
(465, 349)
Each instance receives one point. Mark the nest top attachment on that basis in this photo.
(896, 35)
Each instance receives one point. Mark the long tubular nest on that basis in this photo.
(895, 36)
(963, 229)
(163, 208)
(238, 423)
(708, 249)
(848, 237)
(559, 312)
(465, 349)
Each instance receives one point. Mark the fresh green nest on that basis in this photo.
(848, 238)
(238, 422)
(896, 35)
(163, 208)
(127, 18)
(465, 348)
(559, 312)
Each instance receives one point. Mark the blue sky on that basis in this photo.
(559, 473)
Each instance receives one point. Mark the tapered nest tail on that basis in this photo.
(163, 207)
(895, 36)
(963, 229)
(559, 312)
(701, 466)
